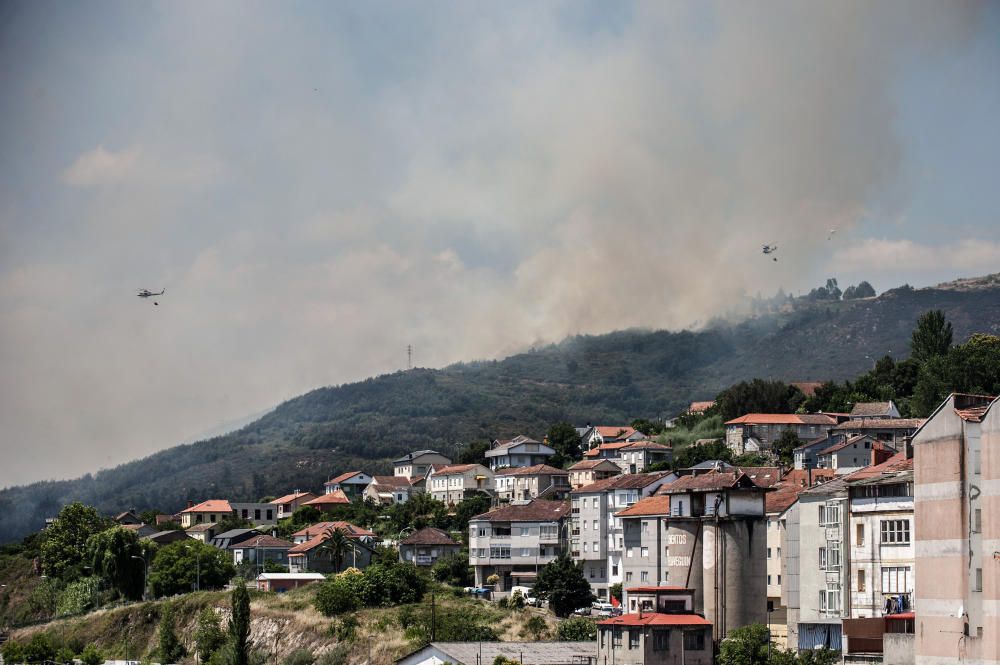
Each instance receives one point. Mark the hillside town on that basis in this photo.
(878, 525)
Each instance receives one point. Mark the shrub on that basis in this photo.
(335, 656)
(208, 636)
(577, 629)
(337, 596)
(347, 629)
(91, 655)
(535, 627)
(171, 649)
(300, 657)
(64, 655)
(12, 652)
(516, 601)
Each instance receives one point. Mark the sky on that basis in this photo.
(318, 185)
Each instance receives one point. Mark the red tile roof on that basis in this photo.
(624, 481)
(263, 541)
(210, 506)
(455, 468)
(429, 536)
(392, 481)
(808, 388)
(713, 480)
(337, 496)
(320, 527)
(784, 419)
(794, 482)
(880, 423)
(656, 619)
(587, 464)
(538, 510)
(701, 407)
(614, 431)
(343, 477)
(288, 498)
(540, 469)
(894, 464)
(647, 445)
(850, 441)
(762, 476)
(651, 505)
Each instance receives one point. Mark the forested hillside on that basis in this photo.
(611, 378)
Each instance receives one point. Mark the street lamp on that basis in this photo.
(145, 573)
(197, 554)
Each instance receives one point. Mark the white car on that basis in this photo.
(602, 609)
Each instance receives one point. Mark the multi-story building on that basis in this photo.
(206, 512)
(519, 451)
(417, 464)
(806, 456)
(635, 457)
(593, 436)
(957, 533)
(352, 484)
(705, 532)
(589, 471)
(391, 489)
(425, 547)
(523, 483)
(874, 411)
(596, 539)
(853, 453)
(288, 504)
(891, 431)
(655, 638)
(452, 484)
(514, 542)
(754, 432)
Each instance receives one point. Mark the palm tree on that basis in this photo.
(337, 545)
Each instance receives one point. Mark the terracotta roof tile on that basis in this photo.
(263, 541)
(455, 468)
(429, 536)
(320, 527)
(588, 464)
(392, 481)
(343, 477)
(656, 619)
(647, 445)
(541, 469)
(651, 505)
(288, 498)
(713, 480)
(880, 423)
(762, 476)
(784, 419)
(538, 510)
(210, 506)
(700, 407)
(337, 496)
(624, 481)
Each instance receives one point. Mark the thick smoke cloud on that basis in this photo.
(318, 189)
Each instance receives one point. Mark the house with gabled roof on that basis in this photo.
(589, 471)
(531, 482)
(866, 410)
(329, 501)
(452, 484)
(388, 490)
(288, 504)
(348, 529)
(756, 432)
(853, 453)
(426, 546)
(639, 455)
(892, 431)
(206, 512)
(519, 451)
(418, 463)
(128, 517)
(351, 483)
(261, 549)
(601, 434)
(320, 556)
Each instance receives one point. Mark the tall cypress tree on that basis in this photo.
(239, 625)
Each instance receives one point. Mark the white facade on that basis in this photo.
(450, 486)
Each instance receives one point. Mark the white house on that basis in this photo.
(519, 451)
(451, 484)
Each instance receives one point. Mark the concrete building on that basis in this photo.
(874, 411)
(288, 504)
(425, 547)
(703, 532)
(282, 582)
(391, 489)
(514, 542)
(853, 453)
(531, 482)
(418, 463)
(519, 451)
(261, 514)
(596, 536)
(206, 512)
(261, 549)
(352, 484)
(597, 435)
(891, 431)
(755, 432)
(957, 533)
(806, 456)
(330, 501)
(639, 455)
(589, 471)
(452, 484)
(655, 639)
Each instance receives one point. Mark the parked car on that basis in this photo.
(602, 609)
(582, 612)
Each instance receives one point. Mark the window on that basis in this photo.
(978, 585)
(213, 518)
(977, 520)
(661, 640)
(525, 531)
(616, 637)
(778, 553)
(499, 551)
(829, 600)
(633, 638)
(859, 537)
(645, 527)
(628, 552)
(895, 532)
(644, 576)
(768, 580)
(861, 579)
(644, 552)
(822, 558)
(768, 552)
(270, 515)
(256, 513)
(584, 525)
(595, 525)
(586, 546)
(525, 552)
(694, 641)
(779, 580)
(628, 576)
(896, 579)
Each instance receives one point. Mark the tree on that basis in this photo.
(474, 453)
(615, 591)
(208, 637)
(171, 649)
(337, 545)
(231, 523)
(563, 583)
(785, 444)
(66, 538)
(175, 568)
(466, 510)
(758, 396)
(932, 336)
(973, 367)
(337, 596)
(91, 655)
(453, 569)
(647, 427)
(110, 554)
(239, 625)
(747, 645)
(691, 455)
(564, 439)
(577, 629)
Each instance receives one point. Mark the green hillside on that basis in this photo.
(611, 378)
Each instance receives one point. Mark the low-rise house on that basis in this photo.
(755, 432)
(141, 530)
(288, 504)
(328, 553)
(261, 549)
(426, 546)
(203, 532)
(484, 653)
(596, 535)
(231, 537)
(348, 529)
(589, 471)
(806, 456)
(167, 537)
(611, 450)
(852, 454)
(699, 408)
(655, 639)
(352, 484)
(329, 501)
(641, 454)
(282, 582)
(418, 463)
(452, 484)
(705, 532)
(601, 434)
(206, 512)
(531, 482)
(519, 451)
(258, 513)
(128, 517)
(891, 431)
(388, 490)
(514, 542)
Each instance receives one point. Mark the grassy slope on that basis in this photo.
(280, 624)
(609, 378)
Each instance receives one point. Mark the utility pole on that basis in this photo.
(433, 620)
(409, 356)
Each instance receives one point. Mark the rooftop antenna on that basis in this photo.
(409, 356)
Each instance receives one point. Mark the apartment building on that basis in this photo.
(891, 431)
(754, 432)
(531, 482)
(637, 456)
(452, 484)
(957, 533)
(519, 451)
(418, 463)
(596, 537)
(514, 542)
(705, 532)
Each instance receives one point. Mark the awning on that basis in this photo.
(524, 574)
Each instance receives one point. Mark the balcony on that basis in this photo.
(424, 559)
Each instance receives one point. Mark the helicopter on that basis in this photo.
(146, 293)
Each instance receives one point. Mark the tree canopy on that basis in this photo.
(932, 337)
(758, 396)
(175, 568)
(65, 544)
(564, 439)
(562, 581)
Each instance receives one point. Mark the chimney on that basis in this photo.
(908, 446)
(190, 504)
